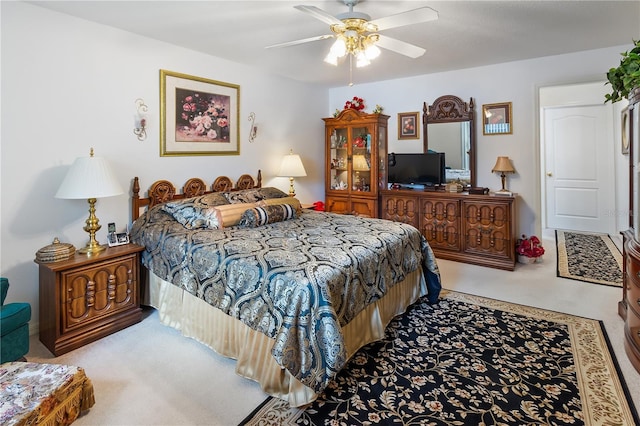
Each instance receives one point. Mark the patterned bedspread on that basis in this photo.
(297, 281)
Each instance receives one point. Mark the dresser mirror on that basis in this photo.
(448, 126)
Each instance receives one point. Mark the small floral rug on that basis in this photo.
(470, 360)
(593, 258)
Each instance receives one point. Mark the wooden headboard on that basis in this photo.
(162, 190)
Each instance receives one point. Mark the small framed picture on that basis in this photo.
(408, 125)
(118, 239)
(497, 119)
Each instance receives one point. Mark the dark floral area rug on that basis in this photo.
(593, 258)
(470, 360)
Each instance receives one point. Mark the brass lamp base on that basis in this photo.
(92, 226)
(292, 192)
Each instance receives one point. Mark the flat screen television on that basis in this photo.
(413, 170)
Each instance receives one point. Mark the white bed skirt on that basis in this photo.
(228, 336)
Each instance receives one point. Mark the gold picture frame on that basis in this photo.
(497, 119)
(198, 116)
(408, 125)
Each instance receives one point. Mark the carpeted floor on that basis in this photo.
(588, 257)
(473, 360)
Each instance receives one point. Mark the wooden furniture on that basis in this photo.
(356, 162)
(629, 306)
(477, 229)
(85, 298)
(449, 127)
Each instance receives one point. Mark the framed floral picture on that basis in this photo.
(497, 119)
(408, 125)
(198, 116)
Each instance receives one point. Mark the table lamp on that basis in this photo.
(503, 165)
(291, 167)
(90, 178)
(360, 165)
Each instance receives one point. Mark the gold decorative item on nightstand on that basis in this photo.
(90, 178)
(55, 252)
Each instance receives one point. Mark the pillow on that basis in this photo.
(258, 216)
(293, 202)
(196, 212)
(213, 217)
(230, 214)
(253, 195)
(193, 216)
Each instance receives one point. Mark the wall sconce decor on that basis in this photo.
(503, 165)
(253, 130)
(140, 129)
(291, 167)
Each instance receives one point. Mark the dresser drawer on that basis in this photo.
(633, 272)
(633, 298)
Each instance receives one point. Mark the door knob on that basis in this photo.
(549, 174)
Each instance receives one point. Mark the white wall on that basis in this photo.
(515, 82)
(70, 84)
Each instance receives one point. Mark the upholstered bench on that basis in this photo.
(43, 394)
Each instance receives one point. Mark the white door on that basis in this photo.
(579, 164)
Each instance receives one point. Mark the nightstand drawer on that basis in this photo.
(92, 292)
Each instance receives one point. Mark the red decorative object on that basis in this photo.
(355, 103)
(318, 206)
(529, 247)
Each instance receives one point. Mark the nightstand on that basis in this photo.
(85, 298)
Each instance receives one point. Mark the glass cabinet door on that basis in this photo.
(361, 172)
(339, 154)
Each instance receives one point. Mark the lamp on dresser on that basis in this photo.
(503, 165)
(291, 167)
(90, 178)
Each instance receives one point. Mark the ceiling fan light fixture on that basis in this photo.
(371, 51)
(361, 59)
(339, 48)
(331, 59)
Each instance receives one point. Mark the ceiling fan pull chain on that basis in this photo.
(350, 70)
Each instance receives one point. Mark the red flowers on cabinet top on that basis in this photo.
(355, 103)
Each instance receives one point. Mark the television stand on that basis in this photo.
(477, 229)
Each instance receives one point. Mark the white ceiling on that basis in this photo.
(467, 33)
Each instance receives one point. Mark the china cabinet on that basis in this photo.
(356, 162)
(629, 306)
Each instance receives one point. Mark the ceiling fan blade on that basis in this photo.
(416, 16)
(304, 40)
(401, 47)
(319, 14)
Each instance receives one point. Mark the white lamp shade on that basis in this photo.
(291, 166)
(360, 163)
(89, 177)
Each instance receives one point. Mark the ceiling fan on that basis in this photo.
(358, 35)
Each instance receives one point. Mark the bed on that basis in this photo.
(290, 293)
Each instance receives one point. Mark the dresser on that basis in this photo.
(85, 298)
(629, 306)
(477, 229)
